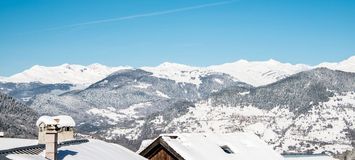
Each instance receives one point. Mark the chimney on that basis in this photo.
(2, 134)
(51, 140)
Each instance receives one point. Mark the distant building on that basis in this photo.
(65, 127)
(2, 134)
(208, 146)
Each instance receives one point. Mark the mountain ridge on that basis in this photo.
(256, 73)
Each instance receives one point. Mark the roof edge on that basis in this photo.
(157, 144)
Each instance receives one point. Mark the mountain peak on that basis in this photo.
(174, 65)
(65, 73)
(350, 60)
(273, 61)
(347, 65)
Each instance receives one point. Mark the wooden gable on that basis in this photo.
(160, 150)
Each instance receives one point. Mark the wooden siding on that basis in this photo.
(162, 155)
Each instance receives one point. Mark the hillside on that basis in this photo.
(312, 111)
(118, 107)
(16, 119)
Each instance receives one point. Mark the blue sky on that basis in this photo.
(149, 32)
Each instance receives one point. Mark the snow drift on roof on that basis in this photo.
(61, 121)
(92, 150)
(8, 143)
(206, 146)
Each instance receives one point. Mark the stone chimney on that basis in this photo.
(51, 140)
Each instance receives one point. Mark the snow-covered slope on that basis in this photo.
(259, 73)
(177, 72)
(66, 73)
(347, 65)
(254, 73)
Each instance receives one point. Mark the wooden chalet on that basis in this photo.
(207, 146)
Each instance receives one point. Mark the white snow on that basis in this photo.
(208, 146)
(132, 110)
(61, 121)
(66, 73)
(109, 113)
(118, 114)
(259, 73)
(161, 94)
(142, 85)
(256, 73)
(218, 81)
(144, 144)
(347, 65)
(8, 143)
(178, 72)
(92, 150)
(130, 133)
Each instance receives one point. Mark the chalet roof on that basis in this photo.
(92, 150)
(8, 143)
(61, 121)
(210, 146)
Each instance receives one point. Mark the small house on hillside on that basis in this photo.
(64, 125)
(208, 146)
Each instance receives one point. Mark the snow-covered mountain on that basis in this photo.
(311, 111)
(256, 73)
(295, 108)
(117, 107)
(66, 73)
(259, 73)
(178, 72)
(347, 65)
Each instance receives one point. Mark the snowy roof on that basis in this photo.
(8, 143)
(61, 121)
(206, 146)
(92, 150)
(145, 144)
